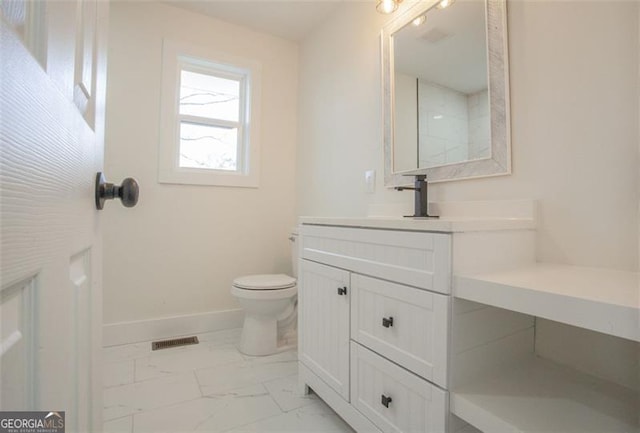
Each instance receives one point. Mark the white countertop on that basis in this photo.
(444, 224)
(603, 300)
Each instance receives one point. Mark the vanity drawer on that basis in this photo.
(394, 399)
(404, 324)
(418, 259)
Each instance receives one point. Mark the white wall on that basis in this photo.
(177, 252)
(340, 128)
(574, 118)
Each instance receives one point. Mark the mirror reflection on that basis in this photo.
(441, 99)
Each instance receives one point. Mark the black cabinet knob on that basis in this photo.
(127, 192)
(385, 400)
(342, 291)
(387, 322)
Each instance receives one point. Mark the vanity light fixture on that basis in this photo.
(419, 21)
(445, 4)
(387, 6)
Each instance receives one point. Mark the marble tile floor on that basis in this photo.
(209, 387)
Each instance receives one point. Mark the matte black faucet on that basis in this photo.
(421, 202)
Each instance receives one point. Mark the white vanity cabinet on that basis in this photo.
(375, 313)
(373, 325)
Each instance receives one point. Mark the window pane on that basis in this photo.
(209, 96)
(208, 147)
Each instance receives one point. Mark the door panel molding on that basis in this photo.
(17, 345)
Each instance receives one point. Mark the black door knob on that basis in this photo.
(342, 291)
(385, 400)
(387, 322)
(127, 192)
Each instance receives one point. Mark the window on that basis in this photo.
(209, 118)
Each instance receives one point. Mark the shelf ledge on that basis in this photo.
(598, 299)
(539, 395)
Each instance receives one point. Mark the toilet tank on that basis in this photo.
(293, 237)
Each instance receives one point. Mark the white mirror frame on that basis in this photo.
(499, 163)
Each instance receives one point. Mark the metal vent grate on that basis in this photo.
(168, 344)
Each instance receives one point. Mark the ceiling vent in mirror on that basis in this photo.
(435, 35)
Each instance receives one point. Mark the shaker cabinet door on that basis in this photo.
(323, 303)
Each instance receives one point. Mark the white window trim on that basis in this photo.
(169, 170)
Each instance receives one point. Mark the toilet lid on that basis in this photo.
(265, 282)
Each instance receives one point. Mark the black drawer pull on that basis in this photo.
(385, 400)
(387, 322)
(342, 291)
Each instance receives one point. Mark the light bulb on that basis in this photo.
(419, 21)
(386, 6)
(444, 4)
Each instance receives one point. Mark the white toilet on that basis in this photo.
(268, 301)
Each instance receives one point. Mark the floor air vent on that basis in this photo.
(168, 344)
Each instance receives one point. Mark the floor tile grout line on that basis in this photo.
(133, 415)
(249, 423)
(118, 418)
(216, 366)
(179, 373)
(305, 398)
(105, 387)
(229, 391)
(195, 376)
(254, 421)
(264, 419)
(135, 370)
(158, 407)
(273, 398)
(175, 373)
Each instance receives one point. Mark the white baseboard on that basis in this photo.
(114, 334)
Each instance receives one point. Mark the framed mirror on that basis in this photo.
(446, 91)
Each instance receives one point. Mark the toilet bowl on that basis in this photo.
(264, 299)
(269, 302)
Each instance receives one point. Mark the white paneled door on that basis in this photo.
(52, 95)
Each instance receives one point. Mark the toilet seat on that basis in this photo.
(264, 282)
(264, 286)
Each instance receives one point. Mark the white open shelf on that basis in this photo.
(602, 300)
(537, 395)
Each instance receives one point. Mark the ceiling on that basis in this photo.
(448, 49)
(289, 19)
